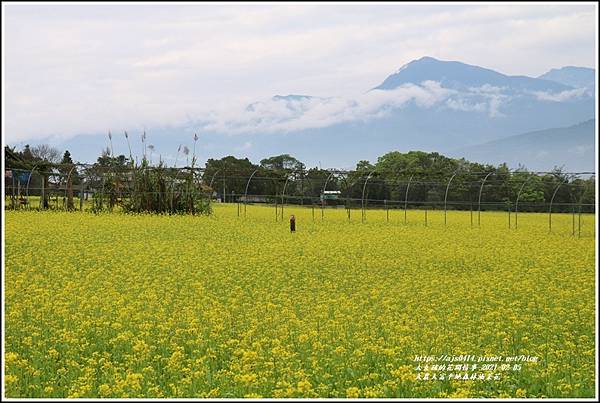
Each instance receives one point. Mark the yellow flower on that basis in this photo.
(53, 353)
(8, 379)
(521, 393)
(352, 392)
(225, 306)
(104, 390)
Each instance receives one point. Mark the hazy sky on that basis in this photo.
(72, 69)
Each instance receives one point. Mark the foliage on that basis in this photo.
(416, 178)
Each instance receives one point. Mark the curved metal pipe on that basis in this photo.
(406, 196)
(551, 201)
(246, 191)
(213, 177)
(323, 195)
(479, 201)
(363, 194)
(446, 197)
(28, 181)
(67, 185)
(295, 171)
(517, 201)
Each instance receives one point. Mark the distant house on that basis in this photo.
(253, 199)
(330, 196)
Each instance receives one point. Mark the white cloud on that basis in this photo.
(280, 114)
(463, 105)
(487, 89)
(562, 96)
(284, 115)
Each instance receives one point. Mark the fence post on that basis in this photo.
(446, 199)
(579, 225)
(387, 211)
(425, 215)
(43, 198)
(363, 195)
(471, 214)
(479, 202)
(406, 198)
(12, 200)
(551, 201)
(246, 192)
(573, 233)
(517, 202)
(81, 196)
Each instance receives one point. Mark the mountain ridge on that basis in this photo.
(455, 72)
(562, 144)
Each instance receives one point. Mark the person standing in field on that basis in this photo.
(292, 223)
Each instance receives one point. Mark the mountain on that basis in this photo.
(571, 146)
(428, 104)
(460, 76)
(578, 77)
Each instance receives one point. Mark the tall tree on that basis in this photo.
(67, 167)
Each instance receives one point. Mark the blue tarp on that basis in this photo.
(20, 176)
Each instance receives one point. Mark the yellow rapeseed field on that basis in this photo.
(113, 305)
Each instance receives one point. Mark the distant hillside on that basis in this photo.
(572, 147)
(578, 77)
(460, 76)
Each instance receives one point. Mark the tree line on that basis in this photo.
(396, 179)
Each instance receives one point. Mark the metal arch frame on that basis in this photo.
(552, 201)
(406, 197)
(479, 200)
(517, 201)
(213, 177)
(246, 191)
(446, 197)
(573, 203)
(199, 183)
(83, 178)
(60, 181)
(68, 178)
(109, 171)
(211, 183)
(29, 180)
(392, 182)
(323, 195)
(579, 204)
(348, 187)
(173, 187)
(363, 195)
(13, 198)
(287, 179)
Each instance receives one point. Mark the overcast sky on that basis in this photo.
(73, 69)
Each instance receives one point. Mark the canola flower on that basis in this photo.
(115, 305)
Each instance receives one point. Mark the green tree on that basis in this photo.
(68, 170)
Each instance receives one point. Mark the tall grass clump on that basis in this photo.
(146, 188)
